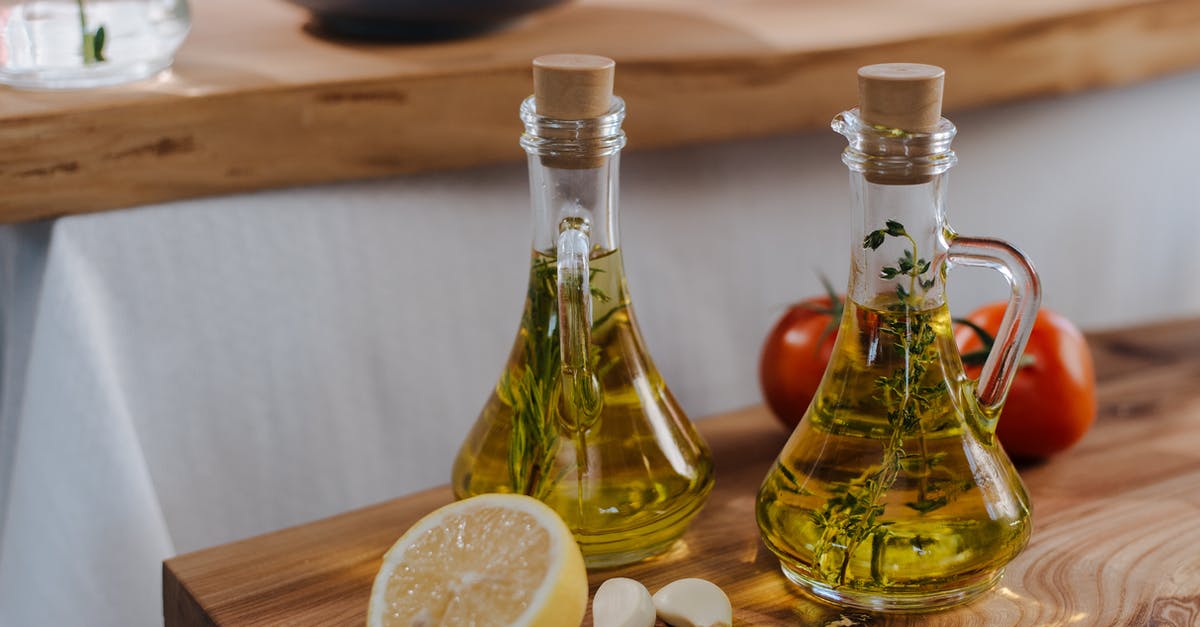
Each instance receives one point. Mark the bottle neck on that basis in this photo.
(898, 188)
(583, 198)
(899, 243)
(573, 176)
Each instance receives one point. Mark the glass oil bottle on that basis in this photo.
(581, 418)
(893, 494)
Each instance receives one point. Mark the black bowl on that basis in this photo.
(415, 20)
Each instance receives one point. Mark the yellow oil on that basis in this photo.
(892, 493)
(626, 482)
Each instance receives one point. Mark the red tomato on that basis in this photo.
(795, 354)
(1052, 402)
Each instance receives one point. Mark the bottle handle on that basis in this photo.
(1001, 365)
(580, 387)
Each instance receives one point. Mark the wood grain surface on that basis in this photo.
(256, 101)
(1115, 542)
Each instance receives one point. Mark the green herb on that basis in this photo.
(93, 41)
(534, 392)
(852, 514)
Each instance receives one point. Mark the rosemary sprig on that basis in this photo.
(852, 514)
(533, 391)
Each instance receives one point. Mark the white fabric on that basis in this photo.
(189, 374)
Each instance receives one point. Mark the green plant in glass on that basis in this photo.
(93, 40)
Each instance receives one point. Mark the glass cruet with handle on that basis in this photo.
(893, 493)
(580, 417)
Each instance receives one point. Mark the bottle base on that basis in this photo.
(601, 561)
(620, 548)
(911, 603)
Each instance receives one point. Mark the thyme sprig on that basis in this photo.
(852, 513)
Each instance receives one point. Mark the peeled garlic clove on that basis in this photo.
(621, 602)
(693, 603)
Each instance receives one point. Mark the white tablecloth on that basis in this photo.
(184, 375)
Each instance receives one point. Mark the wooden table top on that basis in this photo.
(1116, 537)
(257, 101)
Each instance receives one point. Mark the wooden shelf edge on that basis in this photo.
(170, 148)
(179, 606)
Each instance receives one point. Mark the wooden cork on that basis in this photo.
(907, 96)
(573, 86)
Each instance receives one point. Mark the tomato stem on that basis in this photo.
(977, 357)
(836, 307)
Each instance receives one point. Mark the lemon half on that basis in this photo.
(494, 559)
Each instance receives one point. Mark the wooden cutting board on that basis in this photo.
(1116, 537)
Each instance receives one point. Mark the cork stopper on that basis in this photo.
(573, 86)
(907, 96)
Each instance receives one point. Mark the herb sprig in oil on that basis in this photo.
(534, 392)
(853, 513)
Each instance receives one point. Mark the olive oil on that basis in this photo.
(893, 493)
(580, 417)
(892, 486)
(627, 479)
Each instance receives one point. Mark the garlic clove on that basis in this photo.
(693, 603)
(621, 602)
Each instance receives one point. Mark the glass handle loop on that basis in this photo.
(1001, 365)
(580, 388)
